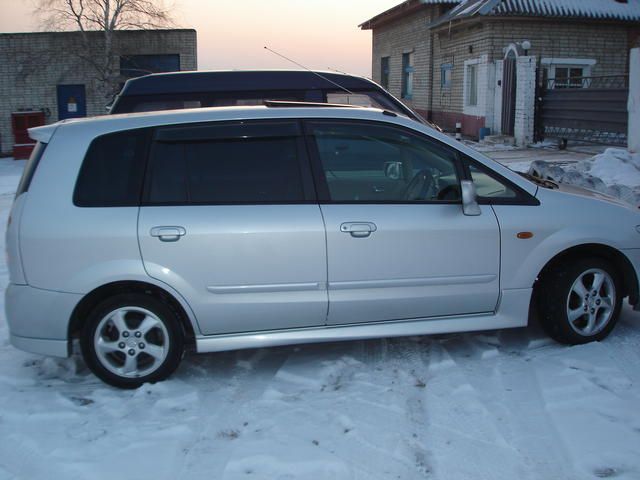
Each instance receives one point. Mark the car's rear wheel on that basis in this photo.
(131, 339)
(580, 302)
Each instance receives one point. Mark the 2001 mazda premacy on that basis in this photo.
(231, 228)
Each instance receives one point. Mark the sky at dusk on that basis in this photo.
(320, 34)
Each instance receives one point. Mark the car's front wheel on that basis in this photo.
(131, 339)
(580, 302)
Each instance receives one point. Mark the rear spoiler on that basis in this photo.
(42, 134)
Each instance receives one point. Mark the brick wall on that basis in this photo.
(33, 64)
(407, 34)
(457, 47)
(606, 43)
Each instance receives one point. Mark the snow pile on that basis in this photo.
(615, 172)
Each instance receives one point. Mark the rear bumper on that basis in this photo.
(39, 319)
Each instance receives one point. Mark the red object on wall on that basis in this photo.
(20, 122)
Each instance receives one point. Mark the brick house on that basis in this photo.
(477, 61)
(47, 76)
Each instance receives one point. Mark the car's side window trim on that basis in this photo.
(319, 176)
(226, 131)
(30, 168)
(215, 130)
(522, 197)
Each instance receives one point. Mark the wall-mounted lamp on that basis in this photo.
(526, 45)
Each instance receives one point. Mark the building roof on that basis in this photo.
(97, 32)
(622, 10)
(408, 6)
(607, 9)
(628, 10)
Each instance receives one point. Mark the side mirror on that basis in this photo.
(469, 198)
(393, 170)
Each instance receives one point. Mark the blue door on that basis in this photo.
(71, 101)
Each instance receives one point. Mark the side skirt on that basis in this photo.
(513, 311)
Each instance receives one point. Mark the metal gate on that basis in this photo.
(588, 109)
(509, 95)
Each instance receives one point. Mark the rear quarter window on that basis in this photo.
(112, 171)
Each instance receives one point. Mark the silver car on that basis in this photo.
(228, 228)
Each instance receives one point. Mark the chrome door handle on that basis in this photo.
(358, 229)
(168, 234)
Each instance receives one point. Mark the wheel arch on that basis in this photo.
(620, 262)
(97, 295)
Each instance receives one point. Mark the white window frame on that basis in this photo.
(552, 63)
(479, 108)
(446, 76)
(472, 84)
(407, 78)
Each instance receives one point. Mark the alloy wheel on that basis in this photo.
(131, 342)
(591, 302)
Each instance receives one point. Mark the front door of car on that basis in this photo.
(229, 220)
(398, 244)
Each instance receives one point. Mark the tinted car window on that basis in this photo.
(113, 170)
(377, 163)
(226, 165)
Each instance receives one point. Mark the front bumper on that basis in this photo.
(39, 319)
(633, 255)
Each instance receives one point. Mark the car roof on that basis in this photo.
(101, 124)
(241, 80)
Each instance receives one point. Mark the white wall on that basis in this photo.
(525, 100)
(484, 73)
(496, 127)
(633, 105)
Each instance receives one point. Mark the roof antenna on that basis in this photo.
(309, 70)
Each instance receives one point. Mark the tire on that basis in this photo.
(568, 289)
(131, 339)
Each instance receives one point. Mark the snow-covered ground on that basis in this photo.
(494, 405)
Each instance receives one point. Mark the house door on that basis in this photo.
(509, 94)
(71, 101)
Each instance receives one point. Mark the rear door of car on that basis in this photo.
(229, 218)
(398, 244)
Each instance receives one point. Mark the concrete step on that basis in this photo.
(498, 140)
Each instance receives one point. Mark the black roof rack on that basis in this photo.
(286, 103)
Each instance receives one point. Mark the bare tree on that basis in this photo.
(105, 16)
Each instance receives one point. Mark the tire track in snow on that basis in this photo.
(499, 369)
(220, 419)
(338, 416)
(417, 361)
(464, 440)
